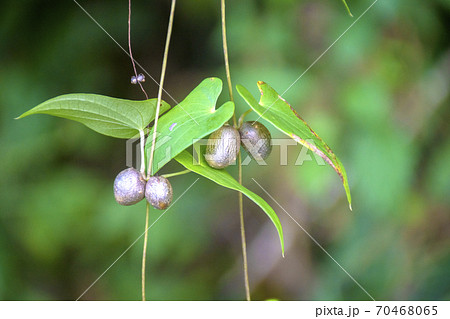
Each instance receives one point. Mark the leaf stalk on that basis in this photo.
(186, 171)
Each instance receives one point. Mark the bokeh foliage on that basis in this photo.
(379, 97)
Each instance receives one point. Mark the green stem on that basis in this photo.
(348, 9)
(242, 117)
(161, 83)
(243, 241)
(152, 152)
(225, 54)
(144, 252)
(176, 173)
(241, 204)
(142, 144)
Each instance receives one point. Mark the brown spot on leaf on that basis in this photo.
(320, 153)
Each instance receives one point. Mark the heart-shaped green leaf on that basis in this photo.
(273, 108)
(224, 179)
(103, 114)
(195, 117)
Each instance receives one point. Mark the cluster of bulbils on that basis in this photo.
(130, 185)
(224, 144)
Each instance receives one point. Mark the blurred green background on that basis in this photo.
(379, 97)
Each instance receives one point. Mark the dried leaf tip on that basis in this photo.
(260, 84)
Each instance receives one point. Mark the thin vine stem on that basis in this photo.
(158, 106)
(142, 143)
(241, 203)
(348, 9)
(242, 117)
(161, 83)
(142, 150)
(144, 252)
(129, 48)
(186, 171)
(243, 241)
(225, 54)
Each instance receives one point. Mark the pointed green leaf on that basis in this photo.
(195, 117)
(273, 108)
(224, 179)
(103, 114)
